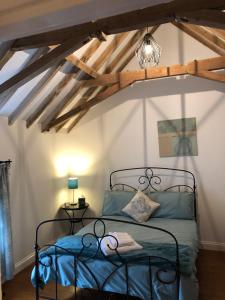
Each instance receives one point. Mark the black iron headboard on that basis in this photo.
(154, 179)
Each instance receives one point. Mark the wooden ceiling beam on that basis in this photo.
(99, 98)
(34, 92)
(42, 64)
(4, 48)
(81, 65)
(76, 121)
(5, 53)
(203, 36)
(121, 78)
(127, 78)
(210, 75)
(74, 60)
(61, 105)
(92, 48)
(218, 32)
(136, 19)
(48, 99)
(116, 63)
(94, 45)
(205, 17)
(4, 97)
(117, 40)
(6, 58)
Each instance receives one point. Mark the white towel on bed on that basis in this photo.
(123, 238)
(108, 248)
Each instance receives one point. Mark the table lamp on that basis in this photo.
(72, 185)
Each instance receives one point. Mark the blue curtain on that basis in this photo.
(6, 253)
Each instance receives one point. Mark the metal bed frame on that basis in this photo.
(149, 179)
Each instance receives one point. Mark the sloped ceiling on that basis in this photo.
(42, 84)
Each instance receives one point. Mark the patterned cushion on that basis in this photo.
(140, 207)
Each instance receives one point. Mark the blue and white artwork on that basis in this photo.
(177, 137)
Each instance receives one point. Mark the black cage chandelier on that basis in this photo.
(148, 52)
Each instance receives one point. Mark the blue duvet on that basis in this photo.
(155, 243)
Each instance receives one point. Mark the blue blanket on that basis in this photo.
(155, 243)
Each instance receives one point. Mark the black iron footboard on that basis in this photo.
(91, 250)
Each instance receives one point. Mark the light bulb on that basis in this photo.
(148, 49)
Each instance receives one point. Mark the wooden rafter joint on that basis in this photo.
(101, 36)
(205, 17)
(74, 60)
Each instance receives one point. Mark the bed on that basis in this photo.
(162, 269)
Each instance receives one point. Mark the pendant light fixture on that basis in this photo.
(148, 52)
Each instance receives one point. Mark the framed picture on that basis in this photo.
(177, 137)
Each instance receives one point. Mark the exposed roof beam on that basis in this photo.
(116, 42)
(210, 75)
(82, 66)
(99, 98)
(116, 63)
(136, 19)
(48, 99)
(42, 63)
(204, 36)
(34, 92)
(74, 60)
(4, 97)
(5, 47)
(205, 17)
(121, 78)
(118, 39)
(91, 49)
(76, 121)
(6, 58)
(76, 87)
(127, 78)
(5, 53)
(216, 31)
(94, 45)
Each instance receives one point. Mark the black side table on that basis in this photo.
(71, 210)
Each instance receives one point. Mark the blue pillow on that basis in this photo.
(115, 201)
(174, 205)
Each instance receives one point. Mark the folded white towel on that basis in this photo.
(123, 239)
(108, 249)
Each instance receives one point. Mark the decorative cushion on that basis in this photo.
(174, 205)
(114, 202)
(140, 207)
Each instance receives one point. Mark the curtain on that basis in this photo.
(6, 253)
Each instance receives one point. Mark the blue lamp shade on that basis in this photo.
(72, 183)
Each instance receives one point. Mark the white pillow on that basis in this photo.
(140, 207)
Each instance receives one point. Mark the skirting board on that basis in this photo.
(28, 260)
(23, 263)
(207, 245)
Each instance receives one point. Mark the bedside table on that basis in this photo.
(71, 210)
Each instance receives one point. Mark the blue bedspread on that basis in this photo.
(155, 243)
